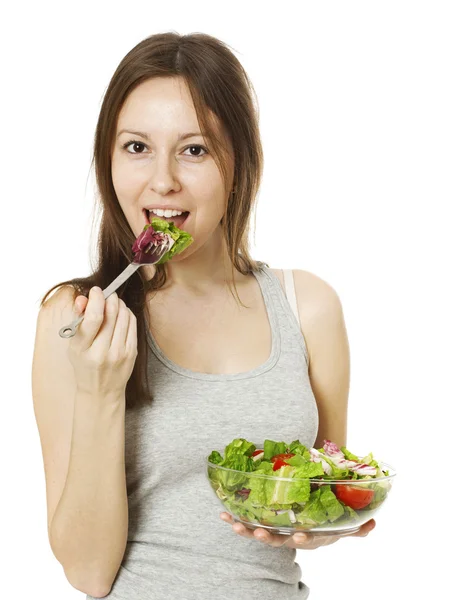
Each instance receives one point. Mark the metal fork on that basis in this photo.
(69, 330)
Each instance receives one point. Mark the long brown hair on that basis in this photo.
(218, 82)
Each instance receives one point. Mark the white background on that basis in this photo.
(357, 115)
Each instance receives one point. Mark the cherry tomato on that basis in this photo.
(354, 497)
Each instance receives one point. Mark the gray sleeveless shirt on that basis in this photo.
(178, 547)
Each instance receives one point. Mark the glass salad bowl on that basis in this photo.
(287, 503)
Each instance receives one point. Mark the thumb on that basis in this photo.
(80, 304)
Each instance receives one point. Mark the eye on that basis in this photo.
(200, 148)
(136, 143)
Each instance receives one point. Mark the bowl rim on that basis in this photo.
(355, 482)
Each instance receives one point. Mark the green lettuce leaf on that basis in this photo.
(272, 448)
(182, 239)
(334, 509)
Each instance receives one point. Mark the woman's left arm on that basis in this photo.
(323, 327)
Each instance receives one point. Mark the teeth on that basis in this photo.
(165, 213)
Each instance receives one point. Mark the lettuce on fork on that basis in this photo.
(154, 234)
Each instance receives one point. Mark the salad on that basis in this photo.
(284, 484)
(154, 235)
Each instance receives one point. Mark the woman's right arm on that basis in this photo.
(89, 528)
(79, 402)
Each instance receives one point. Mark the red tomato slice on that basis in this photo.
(279, 462)
(282, 456)
(354, 497)
(257, 452)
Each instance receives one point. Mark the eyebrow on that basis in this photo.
(182, 136)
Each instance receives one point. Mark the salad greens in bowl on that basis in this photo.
(287, 488)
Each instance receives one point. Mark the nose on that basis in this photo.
(163, 174)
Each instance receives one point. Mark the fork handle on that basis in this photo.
(68, 331)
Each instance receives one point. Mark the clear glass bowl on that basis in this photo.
(232, 488)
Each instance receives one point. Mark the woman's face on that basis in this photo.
(158, 169)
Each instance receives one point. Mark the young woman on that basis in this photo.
(175, 364)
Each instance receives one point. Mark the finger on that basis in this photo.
(93, 318)
(272, 539)
(301, 539)
(226, 517)
(365, 529)
(80, 304)
(259, 533)
(131, 342)
(103, 340)
(120, 329)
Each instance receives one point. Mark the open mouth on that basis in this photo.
(178, 221)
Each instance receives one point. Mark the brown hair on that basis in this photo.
(216, 81)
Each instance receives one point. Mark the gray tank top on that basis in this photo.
(178, 547)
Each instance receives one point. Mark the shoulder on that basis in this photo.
(320, 312)
(309, 287)
(58, 303)
(314, 294)
(62, 294)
